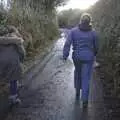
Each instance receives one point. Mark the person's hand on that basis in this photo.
(96, 64)
(63, 59)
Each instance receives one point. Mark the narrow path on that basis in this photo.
(51, 95)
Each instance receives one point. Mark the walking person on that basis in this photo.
(84, 41)
(11, 56)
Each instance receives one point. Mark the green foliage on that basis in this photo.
(3, 19)
(69, 18)
(36, 20)
(107, 22)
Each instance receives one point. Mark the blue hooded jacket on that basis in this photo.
(84, 42)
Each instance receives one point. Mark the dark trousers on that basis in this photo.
(13, 87)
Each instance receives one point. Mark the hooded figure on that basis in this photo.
(11, 56)
(84, 42)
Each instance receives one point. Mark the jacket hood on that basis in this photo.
(11, 40)
(85, 27)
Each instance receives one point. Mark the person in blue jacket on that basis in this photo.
(84, 41)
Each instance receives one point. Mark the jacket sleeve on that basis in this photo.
(67, 46)
(22, 52)
(96, 43)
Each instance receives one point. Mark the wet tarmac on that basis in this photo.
(51, 94)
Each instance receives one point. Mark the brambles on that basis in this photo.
(107, 22)
(36, 20)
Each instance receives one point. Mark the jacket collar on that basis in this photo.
(85, 27)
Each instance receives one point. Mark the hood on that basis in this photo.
(11, 40)
(85, 27)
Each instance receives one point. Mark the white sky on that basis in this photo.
(81, 4)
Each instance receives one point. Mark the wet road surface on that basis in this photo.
(51, 95)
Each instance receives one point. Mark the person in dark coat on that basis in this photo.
(12, 54)
(84, 41)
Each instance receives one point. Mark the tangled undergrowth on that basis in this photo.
(106, 19)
